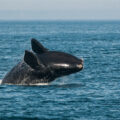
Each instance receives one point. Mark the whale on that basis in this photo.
(42, 66)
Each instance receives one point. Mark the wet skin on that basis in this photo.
(42, 66)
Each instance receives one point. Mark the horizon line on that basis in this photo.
(59, 19)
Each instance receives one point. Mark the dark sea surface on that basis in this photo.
(92, 94)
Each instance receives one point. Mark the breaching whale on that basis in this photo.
(42, 66)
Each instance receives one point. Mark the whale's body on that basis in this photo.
(42, 66)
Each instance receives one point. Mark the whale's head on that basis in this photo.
(51, 63)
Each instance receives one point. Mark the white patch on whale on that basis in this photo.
(62, 65)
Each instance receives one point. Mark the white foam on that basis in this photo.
(0, 82)
(38, 84)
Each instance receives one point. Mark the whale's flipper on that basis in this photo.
(31, 60)
(37, 47)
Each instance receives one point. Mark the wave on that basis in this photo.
(69, 85)
(20, 118)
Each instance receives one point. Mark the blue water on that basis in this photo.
(92, 94)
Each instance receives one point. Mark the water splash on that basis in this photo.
(39, 84)
(0, 81)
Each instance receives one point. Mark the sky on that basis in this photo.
(59, 9)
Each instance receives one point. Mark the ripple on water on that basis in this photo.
(92, 94)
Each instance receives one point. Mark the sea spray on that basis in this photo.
(0, 81)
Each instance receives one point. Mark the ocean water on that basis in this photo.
(92, 94)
